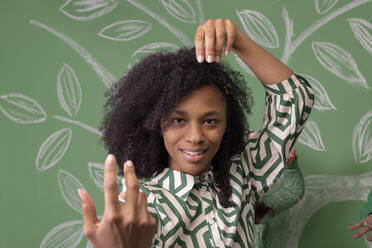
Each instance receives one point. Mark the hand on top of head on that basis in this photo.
(214, 37)
(123, 225)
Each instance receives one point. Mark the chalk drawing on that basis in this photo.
(65, 235)
(258, 27)
(362, 139)
(322, 100)
(287, 227)
(292, 45)
(185, 40)
(69, 90)
(21, 109)
(155, 47)
(150, 48)
(323, 6)
(200, 11)
(125, 30)
(78, 123)
(104, 74)
(96, 174)
(363, 32)
(339, 62)
(53, 149)
(87, 10)
(180, 9)
(68, 186)
(311, 137)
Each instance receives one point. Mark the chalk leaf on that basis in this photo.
(311, 137)
(21, 109)
(65, 235)
(53, 149)
(155, 47)
(68, 186)
(322, 99)
(339, 62)
(362, 139)
(125, 30)
(96, 173)
(259, 28)
(180, 9)
(87, 10)
(69, 90)
(323, 6)
(363, 32)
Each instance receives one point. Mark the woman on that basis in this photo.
(181, 118)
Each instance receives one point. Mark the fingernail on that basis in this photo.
(226, 52)
(200, 58)
(80, 194)
(129, 164)
(218, 59)
(210, 59)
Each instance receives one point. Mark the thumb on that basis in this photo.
(88, 211)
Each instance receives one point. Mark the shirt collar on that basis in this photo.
(180, 183)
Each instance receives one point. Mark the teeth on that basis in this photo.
(192, 153)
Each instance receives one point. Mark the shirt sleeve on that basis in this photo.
(287, 107)
(367, 209)
(287, 191)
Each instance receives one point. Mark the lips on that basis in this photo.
(193, 155)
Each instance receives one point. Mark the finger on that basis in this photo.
(210, 37)
(132, 185)
(89, 213)
(229, 29)
(110, 183)
(356, 225)
(361, 232)
(199, 44)
(142, 204)
(220, 38)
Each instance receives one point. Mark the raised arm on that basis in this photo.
(220, 36)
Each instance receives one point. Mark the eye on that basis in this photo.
(211, 122)
(178, 121)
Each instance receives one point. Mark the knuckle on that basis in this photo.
(131, 220)
(110, 185)
(133, 184)
(220, 35)
(89, 233)
(113, 218)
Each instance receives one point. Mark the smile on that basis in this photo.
(193, 153)
(193, 156)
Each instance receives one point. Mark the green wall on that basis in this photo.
(58, 57)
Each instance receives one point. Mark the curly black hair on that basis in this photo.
(150, 91)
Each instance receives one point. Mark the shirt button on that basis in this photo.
(204, 188)
(211, 221)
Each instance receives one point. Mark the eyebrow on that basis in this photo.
(206, 114)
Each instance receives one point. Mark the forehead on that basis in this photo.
(203, 99)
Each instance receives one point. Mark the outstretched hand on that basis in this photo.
(365, 226)
(123, 225)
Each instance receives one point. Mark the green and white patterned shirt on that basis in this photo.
(187, 208)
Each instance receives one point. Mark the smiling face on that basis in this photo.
(194, 131)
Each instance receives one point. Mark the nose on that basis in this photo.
(194, 134)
